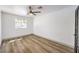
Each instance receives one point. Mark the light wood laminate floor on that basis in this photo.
(33, 44)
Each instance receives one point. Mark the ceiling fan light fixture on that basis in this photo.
(33, 11)
(30, 14)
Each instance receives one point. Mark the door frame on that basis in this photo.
(76, 30)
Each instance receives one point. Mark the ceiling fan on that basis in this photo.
(33, 12)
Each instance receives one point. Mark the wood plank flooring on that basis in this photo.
(33, 44)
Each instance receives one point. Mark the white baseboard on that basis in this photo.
(62, 43)
(15, 36)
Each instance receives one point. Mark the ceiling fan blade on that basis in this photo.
(36, 11)
(34, 14)
(30, 8)
(40, 7)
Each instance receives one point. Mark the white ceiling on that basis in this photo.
(18, 10)
(23, 9)
(52, 8)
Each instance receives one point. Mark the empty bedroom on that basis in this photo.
(37, 29)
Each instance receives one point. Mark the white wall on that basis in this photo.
(18, 10)
(58, 26)
(8, 26)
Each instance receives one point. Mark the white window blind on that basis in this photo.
(20, 23)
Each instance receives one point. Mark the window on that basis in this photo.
(20, 23)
